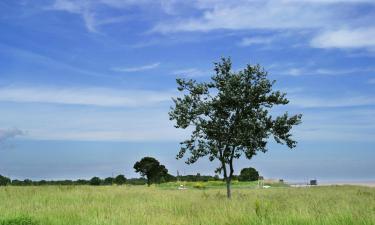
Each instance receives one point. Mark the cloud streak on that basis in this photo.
(92, 96)
(244, 15)
(346, 38)
(335, 102)
(136, 69)
(301, 71)
(322, 17)
(255, 41)
(88, 11)
(191, 72)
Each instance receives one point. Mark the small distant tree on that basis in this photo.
(4, 181)
(42, 182)
(108, 181)
(27, 182)
(230, 116)
(169, 178)
(151, 169)
(82, 182)
(95, 181)
(120, 179)
(248, 174)
(17, 182)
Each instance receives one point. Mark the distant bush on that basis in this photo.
(108, 181)
(248, 174)
(198, 177)
(199, 185)
(22, 220)
(4, 181)
(120, 180)
(82, 182)
(27, 182)
(95, 181)
(137, 181)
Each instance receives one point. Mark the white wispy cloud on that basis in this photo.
(191, 72)
(346, 38)
(255, 41)
(94, 96)
(45, 60)
(371, 81)
(332, 102)
(300, 71)
(82, 8)
(351, 124)
(59, 122)
(88, 11)
(242, 15)
(137, 68)
(321, 16)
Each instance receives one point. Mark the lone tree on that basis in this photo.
(151, 169)
(248, 174)
(230, 117)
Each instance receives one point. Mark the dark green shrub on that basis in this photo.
(95, 181)
(4, 181)
(21, 220)
(120, 179)
(108, 181)
(248, 174)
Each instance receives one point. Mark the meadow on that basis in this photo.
(164, 204)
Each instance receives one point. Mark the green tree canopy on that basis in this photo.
(95, 181)
(4, 181)
(248, 174)
(151, 169)
(230, 116)
(120, 179)
(108, 181)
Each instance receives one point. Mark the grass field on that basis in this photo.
(88, 205)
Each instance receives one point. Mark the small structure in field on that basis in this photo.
(182, 187)
(313, 182)
(260, 182)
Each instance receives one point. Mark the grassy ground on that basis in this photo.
(87, 205)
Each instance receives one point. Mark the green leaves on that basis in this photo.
(151, 168)
(229, 115)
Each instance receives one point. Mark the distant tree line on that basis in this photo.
(149, 168)
(96, 181)
(118, 180)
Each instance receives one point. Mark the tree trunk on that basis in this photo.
(229, 191)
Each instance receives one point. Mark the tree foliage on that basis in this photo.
(120, 179)
(230, 116)
(248, 174)
(4, 181)
(108, 181)
(151, 169)
(95, 181)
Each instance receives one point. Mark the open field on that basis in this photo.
(87, 205)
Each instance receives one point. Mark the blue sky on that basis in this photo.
(85, 86)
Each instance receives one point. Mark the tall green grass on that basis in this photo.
(119, 205)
